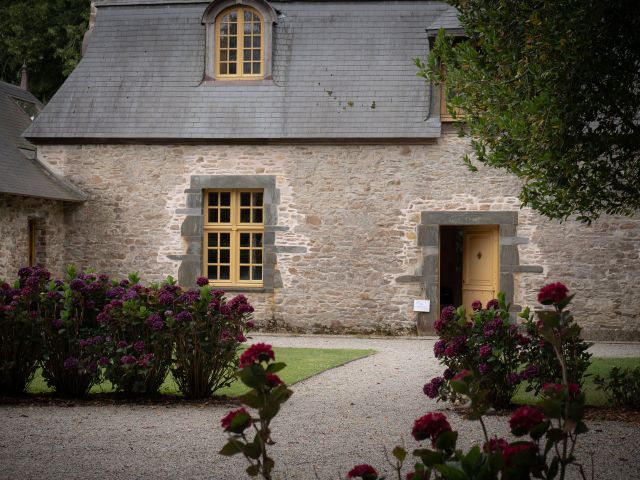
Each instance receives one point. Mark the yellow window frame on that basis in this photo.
(239, 46)
(31, 242)
(235, 228)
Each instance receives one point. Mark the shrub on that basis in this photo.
(69, 310)
(622, 387)
(208, 333)
(138, 343)
(20, 329)
(539, 352)
(488, 345)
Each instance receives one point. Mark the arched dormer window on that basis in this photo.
(239, 44)
(238, 40)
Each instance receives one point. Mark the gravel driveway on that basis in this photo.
(335, 420)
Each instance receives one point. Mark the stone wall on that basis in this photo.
(15, 213)
(347, 253)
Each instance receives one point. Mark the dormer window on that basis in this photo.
(238, 40)
(239, 47)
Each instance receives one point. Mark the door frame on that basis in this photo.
(429, 240)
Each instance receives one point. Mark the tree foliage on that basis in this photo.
(550, 92)
(46, 35)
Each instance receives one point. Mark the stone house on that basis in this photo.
(288, 150)
(32, 196)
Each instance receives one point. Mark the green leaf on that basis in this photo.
(253, 470)
(553, 468)
(399, 453)
(251, 399)
(447, 441)
(252, 450)
(429, 457)
(253, 376)
(275, 367)
(539, 430)
(450, 473)
(231, 448)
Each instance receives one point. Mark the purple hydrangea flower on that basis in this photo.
(202, 281)
(121, 344)
(513, 378)
(492, 304)
(71, 362)
(103, 362)
(130, 295)
(249, 324)
(139, 346)
(57, 323)
(484, 368)
(432, 388)
(77, 284)
(124, 283)
(184, 316)
(103, 277)
(439, 348)
(476, 305)
(128, 359)
(165, 298)
(529, 372)
(485, 350)
(240, 338)
(115, 292)
(448, 374)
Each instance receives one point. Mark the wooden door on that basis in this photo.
(480, 264)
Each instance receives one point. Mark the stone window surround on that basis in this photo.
(429, 239)
(192, 229)
(209, 21)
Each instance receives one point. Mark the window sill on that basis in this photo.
(244, 289)
(264, 82)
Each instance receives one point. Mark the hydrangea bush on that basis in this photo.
(501, 354)
(138, 341)
(70, 309)
(208, 332)
(487, 344)
(20, 329)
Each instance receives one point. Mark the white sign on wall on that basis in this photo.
(422, 305)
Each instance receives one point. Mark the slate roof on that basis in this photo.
(448, 20)
(341, 70)
(21, 173)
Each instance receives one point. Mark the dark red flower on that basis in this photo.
(431, 425)
(243, 421)
(364, 471)
(495, 445)
(476, 305)
(259, 352)
(556, 388)
(202, 281)
(524, 419)
(553, 293)
(492, 304)
(462, 375)
(512, 450)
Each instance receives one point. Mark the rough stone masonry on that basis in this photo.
(346, 253)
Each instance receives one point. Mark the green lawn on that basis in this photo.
(599, 366)
(301, 363)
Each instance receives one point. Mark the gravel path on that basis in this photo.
(335, 420)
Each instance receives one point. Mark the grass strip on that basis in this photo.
(599, 366)
(302, 363)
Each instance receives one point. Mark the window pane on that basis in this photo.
(256, 28)
(256, 42)
(225, 199)
(224, 26)
(225, 215)
(213, 215)
(233, 28)
(256, 55)
(223, 55)
(232, 69)
(213, 198)
(247, 29)
(233, 42)
(224, 256)
(223, 69)
(256, 273)
(256, 67)
(257, 240)
(212, 272)
(224, 41)
(257, 216)
(225, 239)
(245, 199)
(247, 54)
(213, 240)
(248, 16)
(213, 256)
(244, 256)
(257, 257)
(245, 239)
(224, 273)
(244, 273)
(245, 215)
(234, 16)
(246, 67)
(257, 199)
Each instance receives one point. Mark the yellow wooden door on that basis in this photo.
(480, 269)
